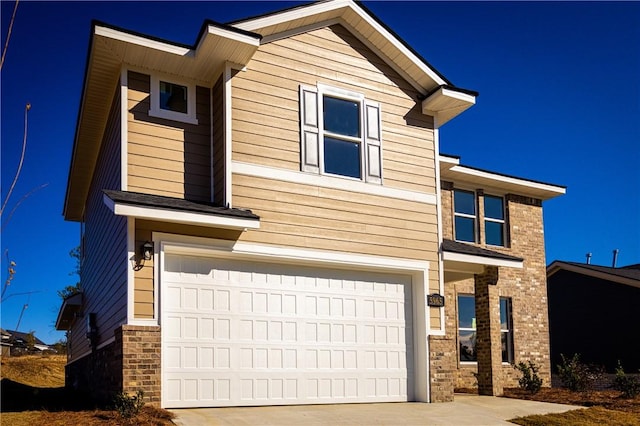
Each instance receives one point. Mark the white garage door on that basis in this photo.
(240, 333)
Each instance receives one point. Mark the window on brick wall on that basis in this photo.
(494, 220)
(467, 328)
(506, 330)
(464, 207)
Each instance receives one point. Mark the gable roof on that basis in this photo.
(441, 98)
(111, 47)
(19, 335)
(629, 275)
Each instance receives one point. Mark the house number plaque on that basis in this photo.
(436, 300)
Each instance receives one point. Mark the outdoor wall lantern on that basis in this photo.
(147, 250)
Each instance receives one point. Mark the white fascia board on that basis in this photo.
(448, 160)
(331, 182)
(190, 218)
(142, 41)
(462, 100)
(481, 260)
(290, 15)
(306, 11)
(557, 190)
(233, 35)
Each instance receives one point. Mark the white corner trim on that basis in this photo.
(331, 182)
(131, 252)
(226, 117)
(481, 260)
(436, 145)
(191, 218)
(124, 129)
(508, 179)
(141, 41)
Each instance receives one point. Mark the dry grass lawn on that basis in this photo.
(594, 416)
(33, 393)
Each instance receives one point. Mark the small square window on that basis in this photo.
(172, 101)
(173, 97)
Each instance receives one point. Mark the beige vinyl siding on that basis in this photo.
(266, 131)
(217, 100)
(104, 271)
(143, 278)
(266, 112)
(167, 157)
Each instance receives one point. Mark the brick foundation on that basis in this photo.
(129, 364)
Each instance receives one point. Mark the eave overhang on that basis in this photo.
(174, 210)
(70, 307)
(451, 170)
(446, 103)
(362, 23)
(463, 260)
(591, 271)
(111, 49)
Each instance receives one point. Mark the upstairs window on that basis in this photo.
(173, 97)
(464, 204)
(340, 134)
(494, 220)
(172, 100)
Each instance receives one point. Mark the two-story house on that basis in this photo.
(267, 219)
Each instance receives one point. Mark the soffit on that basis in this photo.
(452, 171)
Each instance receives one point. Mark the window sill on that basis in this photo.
(173, 116)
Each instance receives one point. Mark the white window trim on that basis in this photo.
(510, 350)
(501, 221)
(156, 111)
(465, 215)
(313, 134)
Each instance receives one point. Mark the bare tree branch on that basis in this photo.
(24, 197)
(6, 43)
(24, 148)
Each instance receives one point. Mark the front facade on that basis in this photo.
(262, 225)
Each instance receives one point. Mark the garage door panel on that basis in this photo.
(243, 333)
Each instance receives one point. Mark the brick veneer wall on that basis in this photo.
(526, 287)
(141, 361)
(128, 364)
(442, 366)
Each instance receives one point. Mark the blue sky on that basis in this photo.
(559, 102)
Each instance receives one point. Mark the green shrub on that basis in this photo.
(577, 376)
(629, 386)
(128, 405)
(530, 380)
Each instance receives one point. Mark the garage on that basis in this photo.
(241, 332)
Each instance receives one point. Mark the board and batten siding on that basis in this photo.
(104, 269)
(167, 157)
(266, 132)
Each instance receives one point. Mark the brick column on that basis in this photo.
(141, 361)
(442, 356)
(488, 342)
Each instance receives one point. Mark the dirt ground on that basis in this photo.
(609, 399)
(33, 393)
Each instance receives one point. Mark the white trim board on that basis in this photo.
(331, 182)
(190, 218)
(480, 260)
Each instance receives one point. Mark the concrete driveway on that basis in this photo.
(465, 410)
